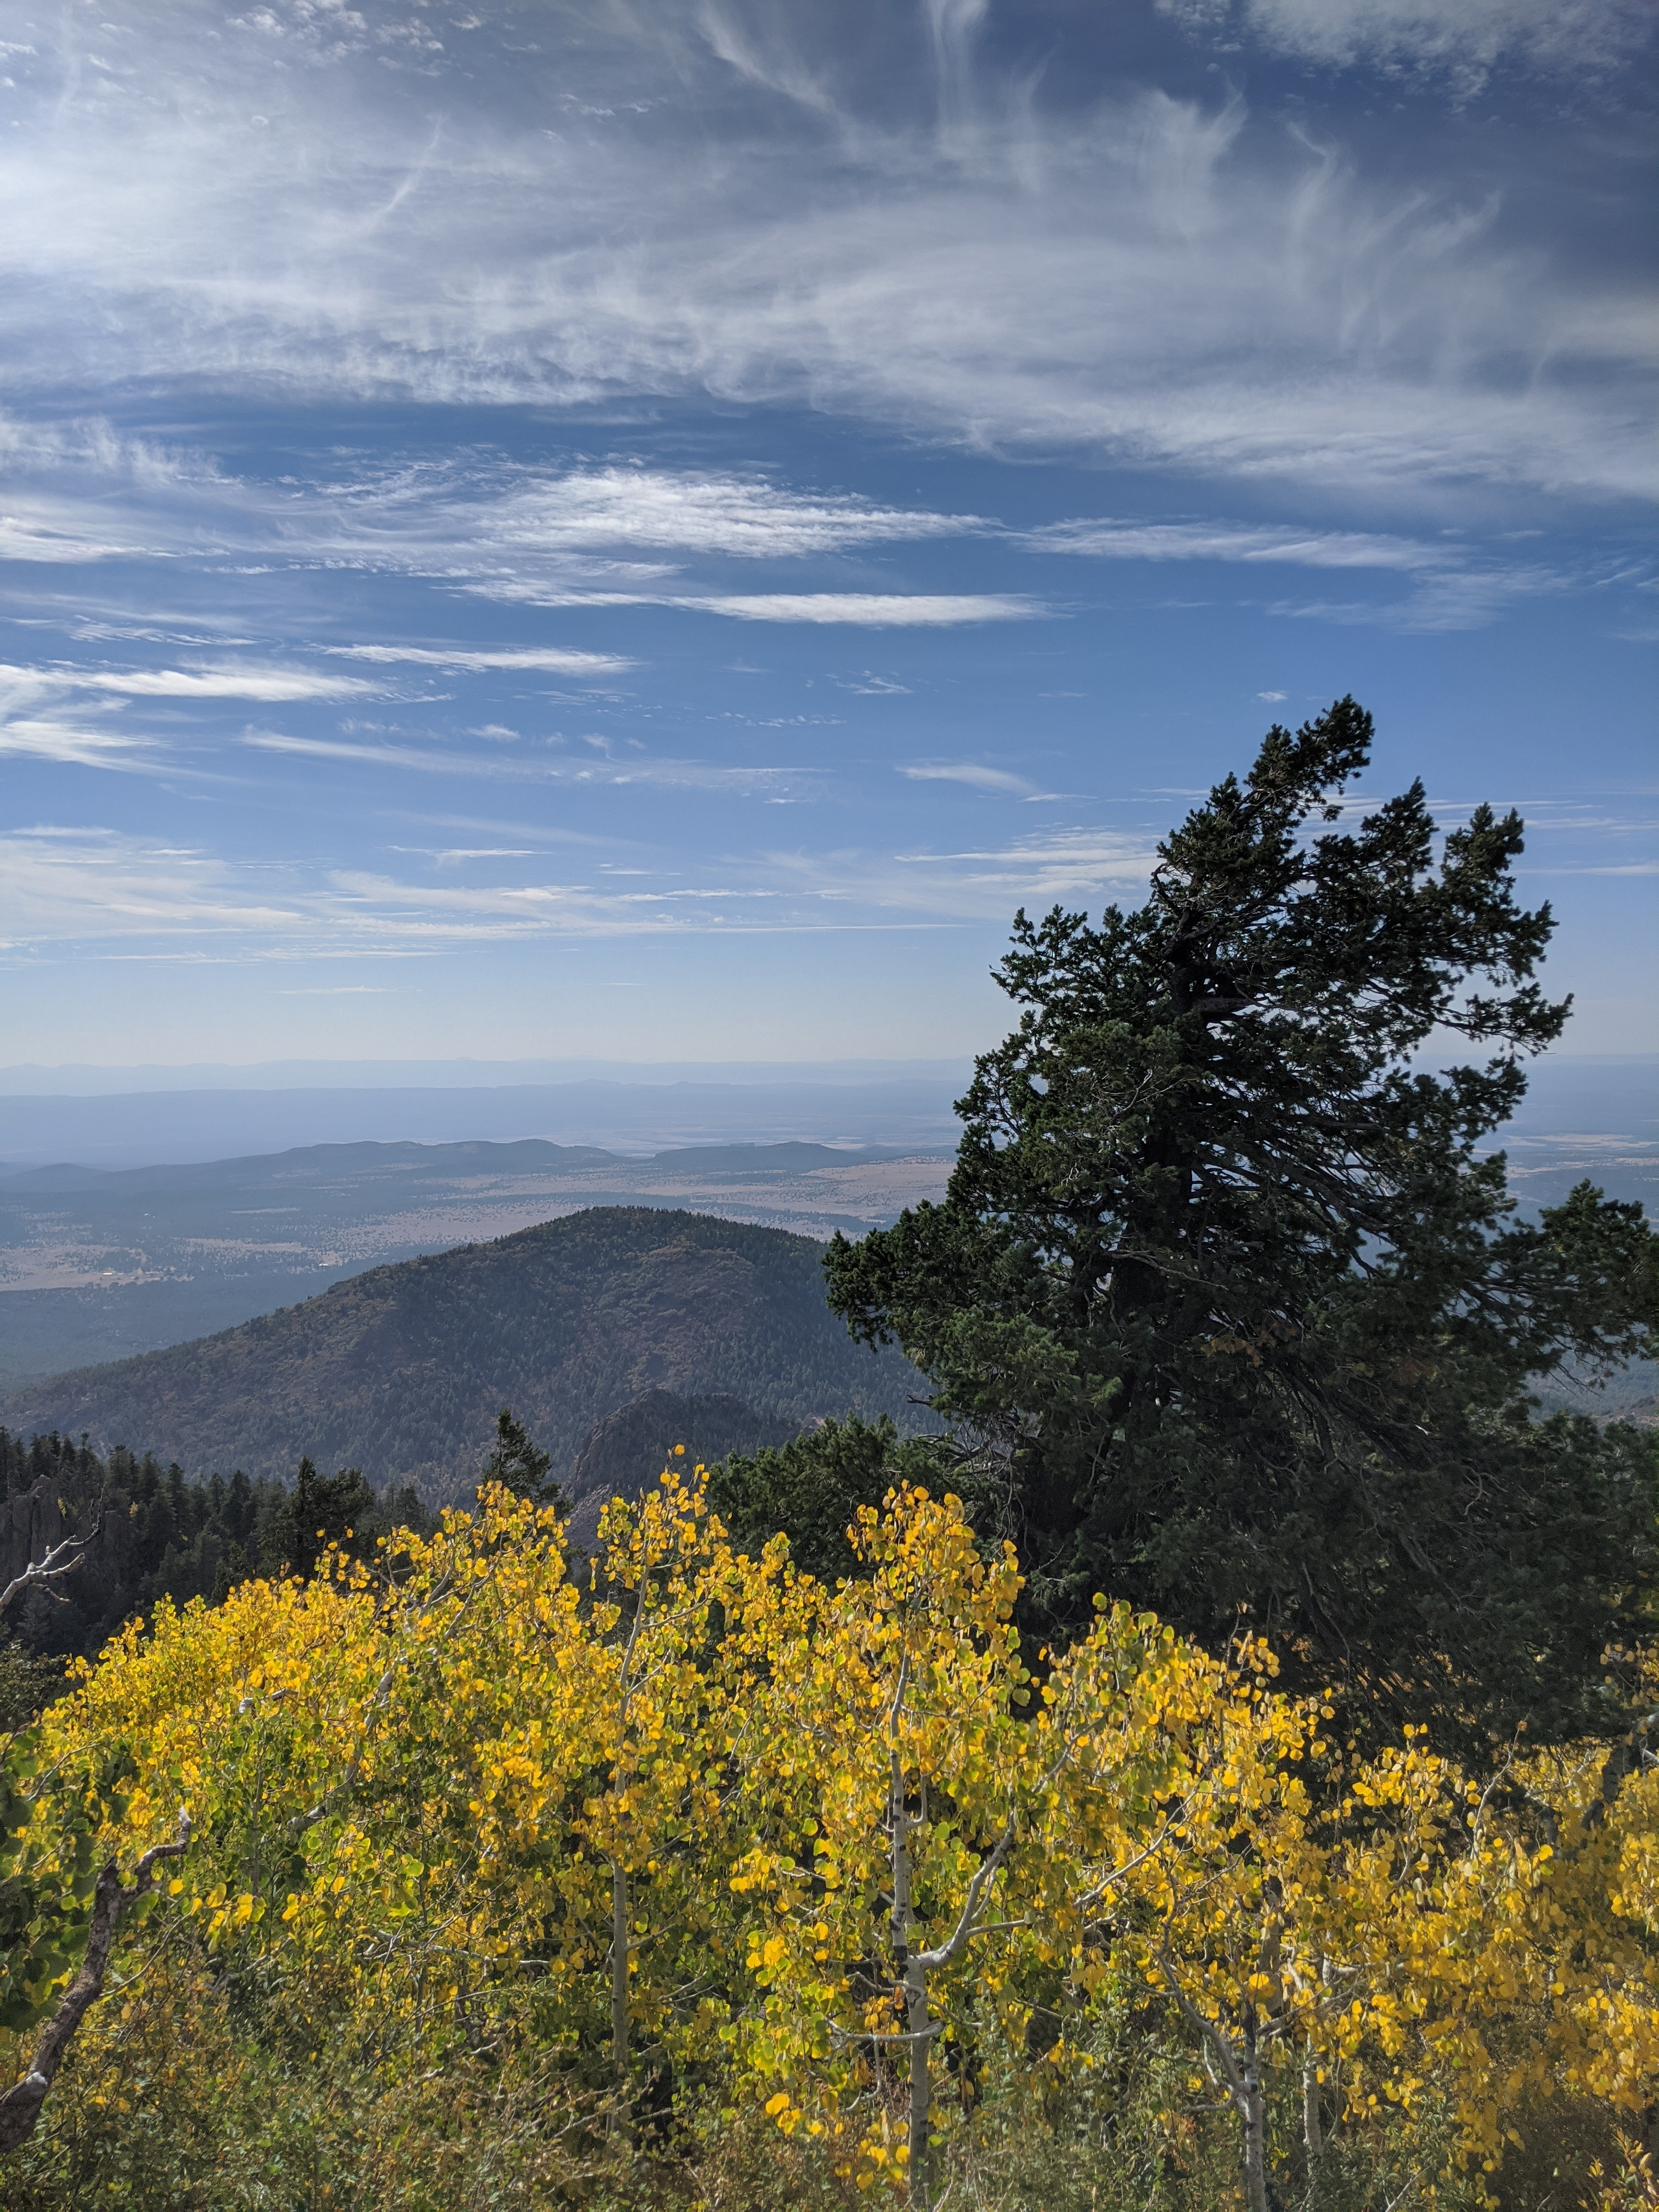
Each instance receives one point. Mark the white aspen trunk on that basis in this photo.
(619, 1903)
(1238, 2070)
(1252, 2103)
(619, 2054)
(20, 2107)
(1313, 2131)
(913, 1976)
(921, 2087)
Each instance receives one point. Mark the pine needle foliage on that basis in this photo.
(1227, 1301)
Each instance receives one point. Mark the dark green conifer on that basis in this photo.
(1231, 1313)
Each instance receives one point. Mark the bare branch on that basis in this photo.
(19, 2108)
(62, 1558)
(1212, 2038)
(967, 1925)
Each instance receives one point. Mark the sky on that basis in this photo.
(543, 531)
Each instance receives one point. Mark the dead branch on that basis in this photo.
(61, 1560)
(19, 2108)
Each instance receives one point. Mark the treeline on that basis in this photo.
(156, 1533)
(162, 1533)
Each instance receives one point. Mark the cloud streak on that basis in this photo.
(870, 610)
(1155, 277)
(968, 772)
(1464, 40)
(1453, 585)
(464, 661)
(272, 686)
(545, 767)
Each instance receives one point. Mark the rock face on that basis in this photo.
(402, 1371)
(624, 1453)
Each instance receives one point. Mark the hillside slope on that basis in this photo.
(402, 1370)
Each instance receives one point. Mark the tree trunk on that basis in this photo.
(1253, 2111)
(912, 1975)
(619, 1953)
(1313, 2131)
(19, 2108)
(921, 2085)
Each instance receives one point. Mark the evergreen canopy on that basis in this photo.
(1227, 1309)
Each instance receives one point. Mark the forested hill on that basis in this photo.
(401, 1372)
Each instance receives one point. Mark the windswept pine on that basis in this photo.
(1227, 1304)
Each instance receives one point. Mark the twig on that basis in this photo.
(51, 1564)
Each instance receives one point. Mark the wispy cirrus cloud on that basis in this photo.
(1441, 599)
(1113, 538)
(515, 535)
(952, 247)
(857, 610)
(272, 686)
(1454, 585)
(1075, 863)
(64, 884)
(971, 773)
(92, 495)
(872, 609)
(464, 660)
(745, 516)
(129, 897)
(26, 538)
(1464, 40)
(72, 745)
(543, 767)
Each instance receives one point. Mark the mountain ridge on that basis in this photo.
(401, 1370)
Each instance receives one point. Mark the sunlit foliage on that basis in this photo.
(570, 1864)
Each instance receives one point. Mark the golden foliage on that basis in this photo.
(468, 1810)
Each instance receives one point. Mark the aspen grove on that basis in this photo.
(553, 1857)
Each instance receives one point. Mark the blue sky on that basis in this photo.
(647, 531)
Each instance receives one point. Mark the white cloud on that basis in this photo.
(1109, 539)
(23, 539)
(42, 737)
(1466, 40)
(709, 513)
(861, 610)
(981, 778)
(1144, 276)
(462, 660)
(545, 767)
(871, 609)
(450, 855)
(59, 884)
(272, 686)
(1076, 864)
(872, 686)
(1450, 600)
(131, 897)
(1453, 585)
(509, 531)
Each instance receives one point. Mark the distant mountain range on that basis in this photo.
(401, 1372)
(98, 1265)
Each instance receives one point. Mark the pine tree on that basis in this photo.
(1229, 1309)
